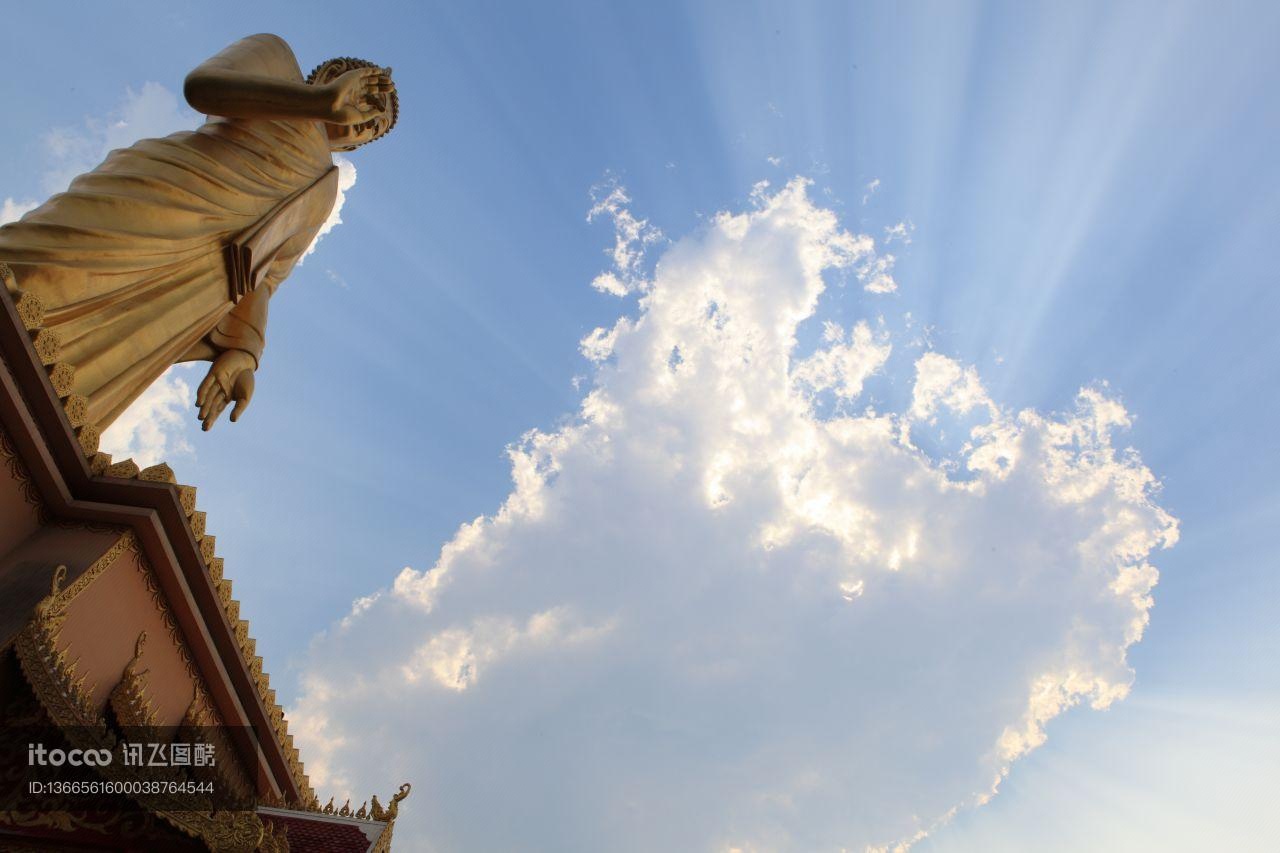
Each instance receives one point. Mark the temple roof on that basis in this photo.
(324, 833)
(46, 423)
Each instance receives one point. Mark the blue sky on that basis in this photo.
(1092, 195)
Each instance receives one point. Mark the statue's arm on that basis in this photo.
(257, 77)
(243, 328)
(202, 350)
(233, 94)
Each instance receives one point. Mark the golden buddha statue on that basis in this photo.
(170, 250)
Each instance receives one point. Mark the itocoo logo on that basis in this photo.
(37, 754)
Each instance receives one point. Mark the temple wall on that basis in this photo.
(102, 627)
(27, 568)
(18, 507)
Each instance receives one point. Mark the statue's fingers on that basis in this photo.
(244, 386)
(214, 398)
(243, 393)
(213, 413)
(203, 390)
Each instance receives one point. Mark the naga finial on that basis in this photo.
(55, 587)
(131, 668)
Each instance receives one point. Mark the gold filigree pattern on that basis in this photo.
(159, 473)
(76, 407)
(162, 606)
(62, 378)
(198, 714)
(129, 697)
(30, 309)
(201, 721)
(20, 475)
(273, 843)
(377, 812)
(60, 813)
(127, 541)
(46, 667)
(64, 698)
(371, 810)
(125, 469)
(383, 844)
(47, 345)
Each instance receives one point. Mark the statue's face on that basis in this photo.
(344, 137)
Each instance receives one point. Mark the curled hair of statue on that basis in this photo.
(331, 68)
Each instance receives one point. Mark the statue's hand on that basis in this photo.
(359, 95)
(230, 379)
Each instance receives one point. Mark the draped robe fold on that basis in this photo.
(130, 262)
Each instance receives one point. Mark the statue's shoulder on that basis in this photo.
(263, 53)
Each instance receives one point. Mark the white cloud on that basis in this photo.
(346, 180)
(454, 658)
(870, 190)
(942, 382)
(12, 210)
(155, 428)
(632, 237)
(708, 618)
(843, 367)
(598, 345)
(876, 274)
(900, 231)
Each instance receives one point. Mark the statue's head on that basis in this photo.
(346, 137)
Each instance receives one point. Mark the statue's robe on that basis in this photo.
(176, 244)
